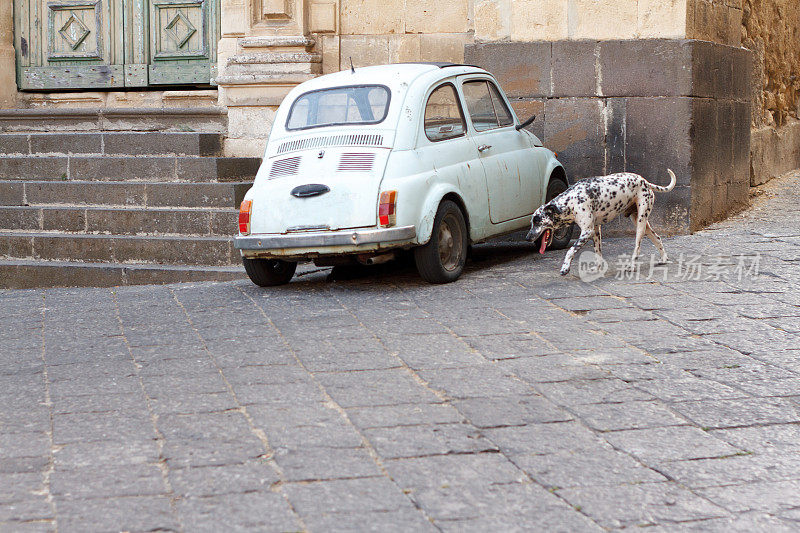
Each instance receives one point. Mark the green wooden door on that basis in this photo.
(183, 41)
(104, 44)
(65, 44)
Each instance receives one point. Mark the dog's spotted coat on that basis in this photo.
(592, 202)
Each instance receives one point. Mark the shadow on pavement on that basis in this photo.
(482, 257)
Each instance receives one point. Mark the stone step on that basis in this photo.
(150, 167)
(174, 119)
(156, 249)
(120, 220)
(122, 193)
(112, 143)
(28, 274)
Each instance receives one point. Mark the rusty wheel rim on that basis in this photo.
(451, 242)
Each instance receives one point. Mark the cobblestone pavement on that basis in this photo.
(514, 399)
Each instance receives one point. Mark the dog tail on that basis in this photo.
(672, 181)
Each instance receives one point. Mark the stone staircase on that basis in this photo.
(116, 208)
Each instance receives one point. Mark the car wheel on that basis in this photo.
(562, 236)
(269, 272)
(442, 259)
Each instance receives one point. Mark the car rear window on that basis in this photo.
(356, 104)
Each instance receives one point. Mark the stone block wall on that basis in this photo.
(718, 21)
(641, 106)
(384, 31)
(774, 151)
(373, 32)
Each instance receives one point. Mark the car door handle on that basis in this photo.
(484, 147)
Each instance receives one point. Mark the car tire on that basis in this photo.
(442, 259)
(561, 237)
(269, 272)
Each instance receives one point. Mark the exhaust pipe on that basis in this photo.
(377, 259)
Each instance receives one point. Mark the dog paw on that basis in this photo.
(564, 271)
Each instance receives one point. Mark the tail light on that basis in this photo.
(386, 208)
(244, 217)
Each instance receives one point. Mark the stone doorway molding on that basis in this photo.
(267, 48)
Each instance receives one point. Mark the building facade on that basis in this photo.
(636, 85)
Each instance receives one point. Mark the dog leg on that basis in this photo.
(641, 224)
(653, 236)
(598, 241)
(585, 236)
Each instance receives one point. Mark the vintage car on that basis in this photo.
(369, 161)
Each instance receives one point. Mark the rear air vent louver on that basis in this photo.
(336, 140)
(284, 167)
(356, 162)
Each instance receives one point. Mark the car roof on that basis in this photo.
(391, 75)
(401, 79)
(440, 64)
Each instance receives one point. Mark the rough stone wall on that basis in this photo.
(771, 29)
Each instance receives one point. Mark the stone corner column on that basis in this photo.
(253, 83)
(8, 68)
(263, 54)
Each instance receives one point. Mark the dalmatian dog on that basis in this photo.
(592, 202)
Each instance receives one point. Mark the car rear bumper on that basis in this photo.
(350, 240)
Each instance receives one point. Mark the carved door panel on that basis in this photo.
(183, 44)
(104, 44)
(69, 44)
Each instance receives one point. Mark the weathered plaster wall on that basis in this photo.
(8, 83)
(550, 20)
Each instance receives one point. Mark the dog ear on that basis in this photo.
(552, 209)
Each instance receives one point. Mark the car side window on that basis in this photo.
(504, 116)
(443, 116)
(486, 107)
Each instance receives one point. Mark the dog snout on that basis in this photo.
(533, 234)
